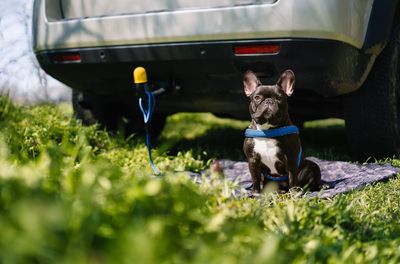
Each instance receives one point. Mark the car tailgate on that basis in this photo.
(73, 9)
(89, 23)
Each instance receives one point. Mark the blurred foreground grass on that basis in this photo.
(74, 194)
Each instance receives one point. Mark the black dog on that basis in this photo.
(278, 158)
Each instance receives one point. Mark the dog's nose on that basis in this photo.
(268, 101)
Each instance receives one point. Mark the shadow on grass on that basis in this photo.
(325, 139)
(218, 143)
(211, 137)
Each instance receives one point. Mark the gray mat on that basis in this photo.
(337, 176)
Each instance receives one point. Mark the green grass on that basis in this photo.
(74, 194)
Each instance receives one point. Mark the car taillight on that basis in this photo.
(66, 57)
(257, 49)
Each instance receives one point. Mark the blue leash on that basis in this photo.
(151, 102)
(147, 115)
(273, 133)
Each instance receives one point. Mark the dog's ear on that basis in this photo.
(250, 82)
(286, 82)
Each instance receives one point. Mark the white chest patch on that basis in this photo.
(268, 149)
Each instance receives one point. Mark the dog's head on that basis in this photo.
(268, 103)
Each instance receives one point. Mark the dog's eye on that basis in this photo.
(257, 98)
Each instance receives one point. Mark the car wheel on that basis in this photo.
(94, 109)
(82, 109)
(113, 115)
(372, 113)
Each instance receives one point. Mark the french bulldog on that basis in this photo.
(278, 157)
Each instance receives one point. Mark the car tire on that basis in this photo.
(82, 110)
(372, 113)
(114, 115)
(96, 110)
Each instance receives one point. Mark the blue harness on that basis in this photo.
(273, 133)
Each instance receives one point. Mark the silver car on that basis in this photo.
(345, 54)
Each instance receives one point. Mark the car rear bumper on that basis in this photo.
(98, 23)
(209, 74)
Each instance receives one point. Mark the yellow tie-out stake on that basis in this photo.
(139, 75)
(144, 94)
